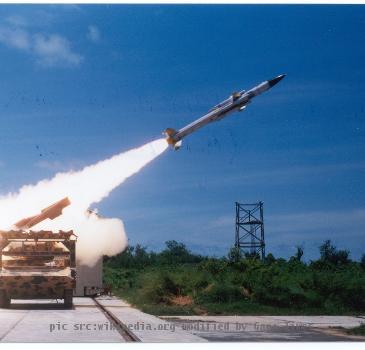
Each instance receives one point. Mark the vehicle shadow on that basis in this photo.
(39, 306)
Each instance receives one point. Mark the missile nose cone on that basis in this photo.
(274, 81)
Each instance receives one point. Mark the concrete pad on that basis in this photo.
(312, 321)
(112, 301)
(82, 301)
(267, 328)
(149, 328)
(222, 319)
(322, 321)
(9, 319)
(47, 321)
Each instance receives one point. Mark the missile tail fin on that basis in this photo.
(177, 145)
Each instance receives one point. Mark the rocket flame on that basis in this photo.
(97, 236)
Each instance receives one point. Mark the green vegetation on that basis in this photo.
(177, 282)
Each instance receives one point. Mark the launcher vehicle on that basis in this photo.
(38, 264)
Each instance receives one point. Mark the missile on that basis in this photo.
(51, 212)
(237, 102)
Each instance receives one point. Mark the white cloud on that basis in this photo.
(49, 50)
(311, 221)
(53, 50)
(328, 221)
(15, 37)
(93, 34)
(17, 20)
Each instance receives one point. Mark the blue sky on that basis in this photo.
(81, 83)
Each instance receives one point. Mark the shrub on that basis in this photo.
(170, 286)
(330, 254)
(153, 292)
(332, 284)
(270, 259)
(213, 266)
(219, 293)
(177, 253)
(235, 255)
(362, 261)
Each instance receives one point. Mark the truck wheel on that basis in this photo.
(4, 299)
(68, 298)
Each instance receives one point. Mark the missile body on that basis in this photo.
(238, 101)
(51, 212)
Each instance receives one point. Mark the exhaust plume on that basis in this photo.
(96, 236)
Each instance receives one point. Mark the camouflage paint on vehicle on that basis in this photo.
(37, 264)
(26, 286)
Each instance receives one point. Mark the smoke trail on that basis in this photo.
(97, 236)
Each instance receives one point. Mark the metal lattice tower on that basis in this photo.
(250, 235)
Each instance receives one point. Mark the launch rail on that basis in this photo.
(122, 329)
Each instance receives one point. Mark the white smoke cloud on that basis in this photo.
(97, 236)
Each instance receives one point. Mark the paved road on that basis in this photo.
(48, 321)
(268, 328)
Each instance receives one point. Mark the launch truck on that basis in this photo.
(38, 264)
